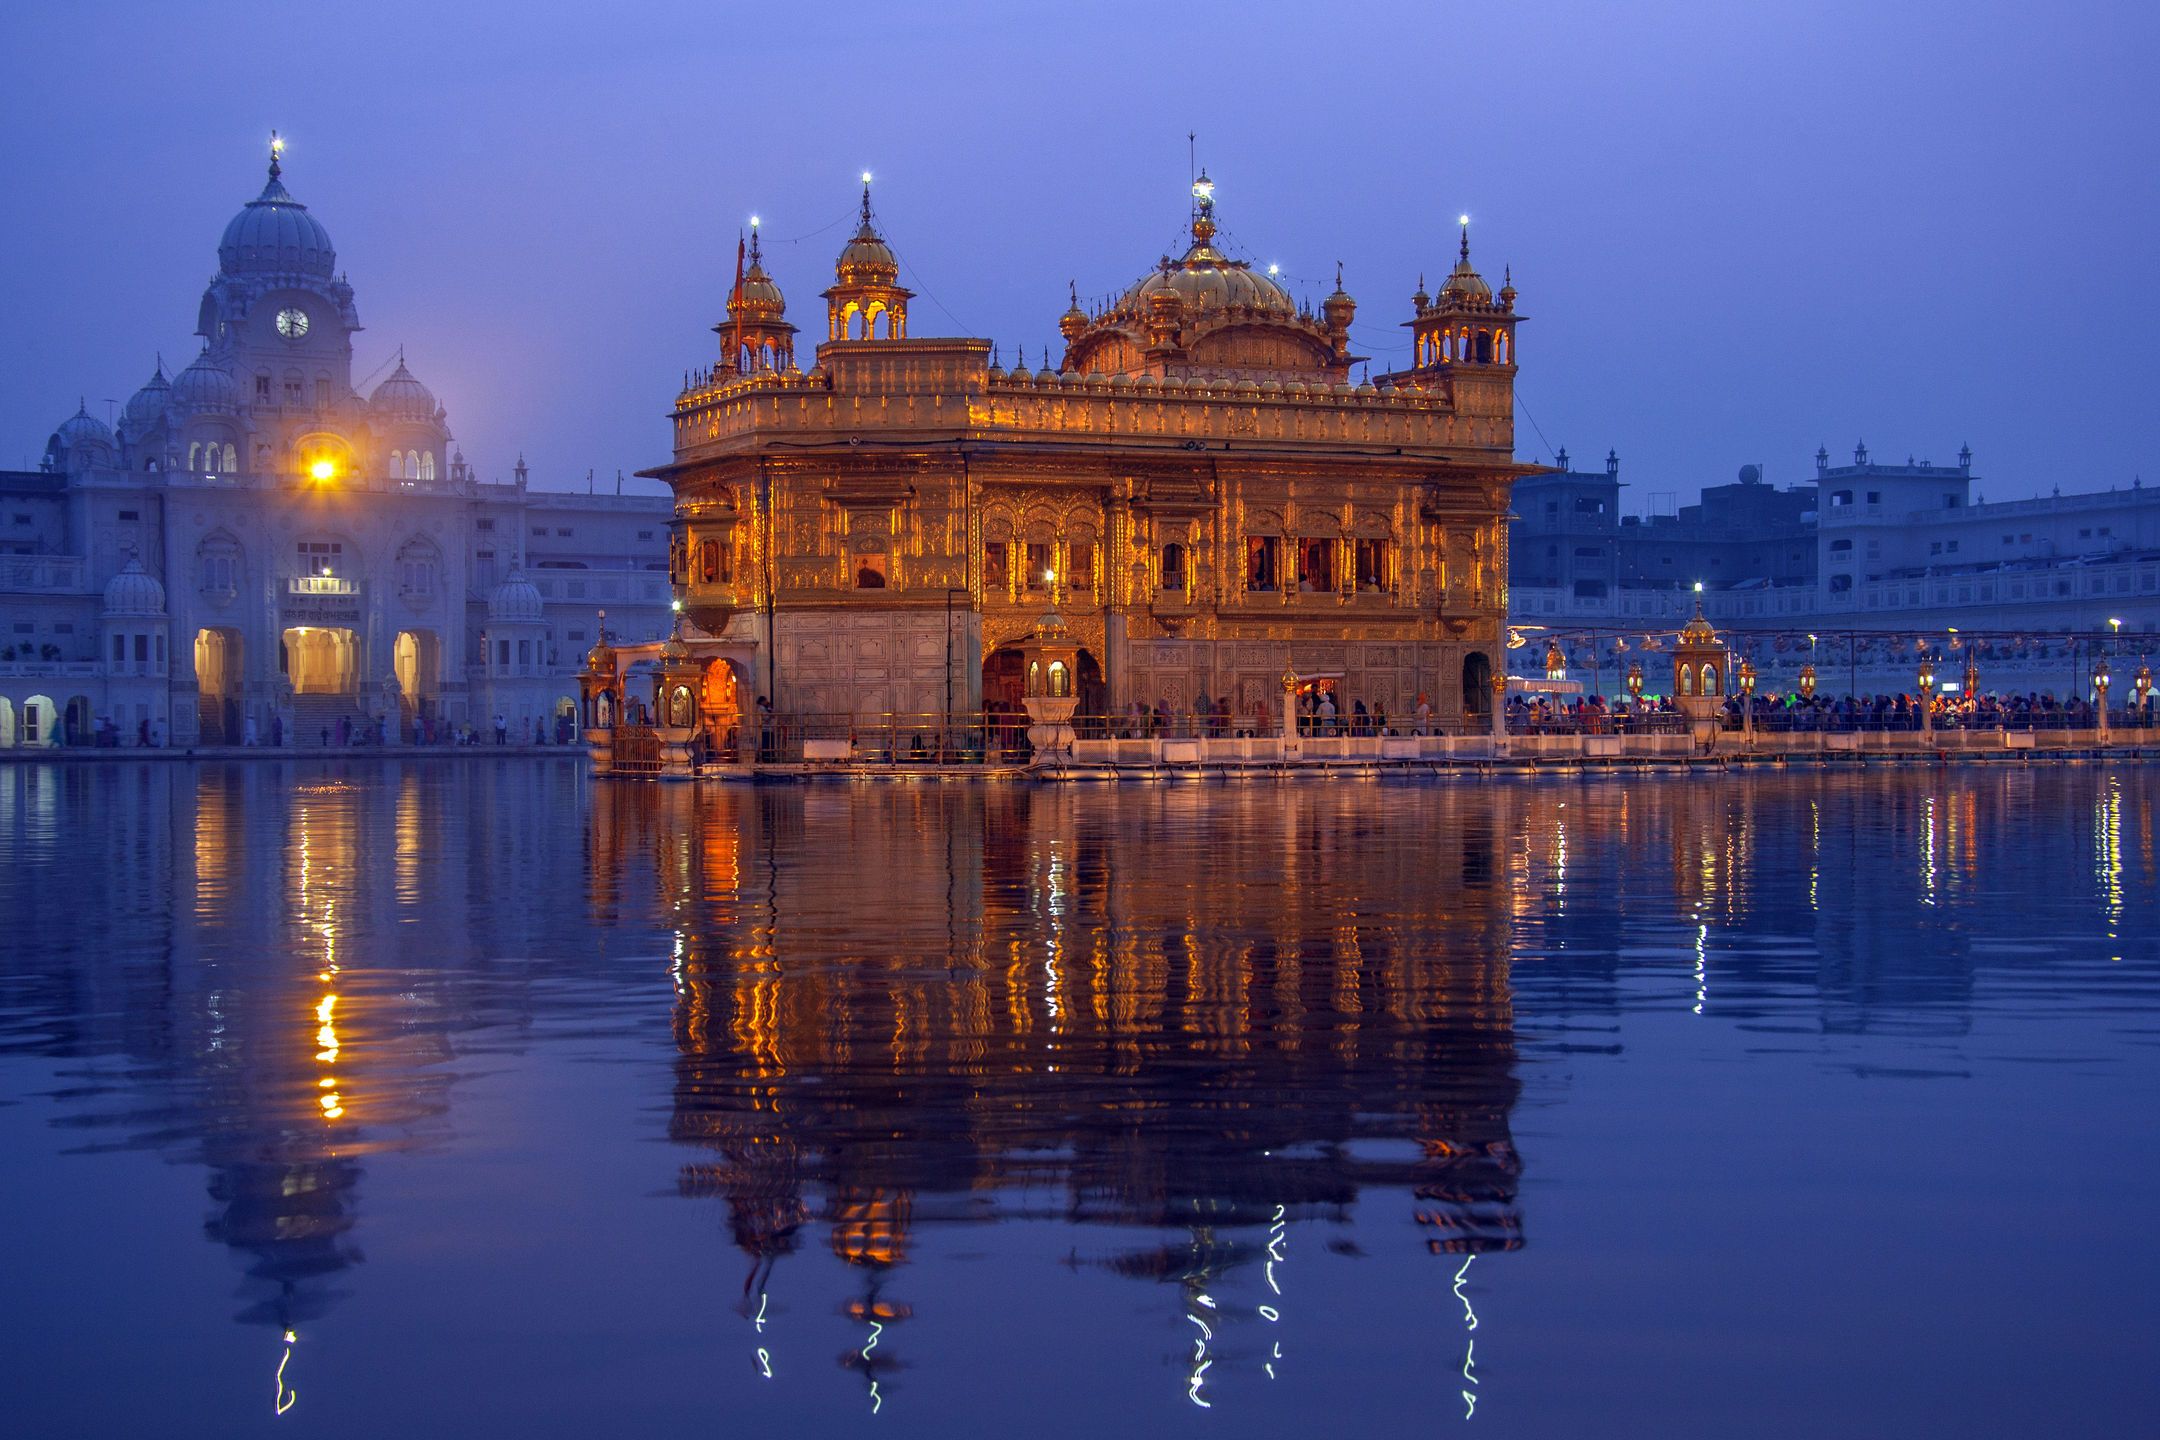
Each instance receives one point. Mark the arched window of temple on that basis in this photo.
(232, 459)
(397, 465)
(427, 465)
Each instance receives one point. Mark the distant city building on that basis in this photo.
(1900, 547)
(255, 542)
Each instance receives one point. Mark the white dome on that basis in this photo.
(82, 428)
(134, 591)
(205, 385)
(274, 234)
(516, 601)
(147, 404)
(402, 397)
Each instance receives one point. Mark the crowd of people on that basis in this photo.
(2034, 710)
(358, 731)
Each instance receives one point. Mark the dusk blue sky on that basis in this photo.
(1740, 230)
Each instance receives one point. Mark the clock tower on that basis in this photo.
(279, 319)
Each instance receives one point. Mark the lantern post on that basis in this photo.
(1747, 703)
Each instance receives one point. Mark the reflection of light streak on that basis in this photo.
(286, 1399)
(764, 1363)
(877, 1401)
(1702, 974)
(326, 1032)
(759, 1318)
(1927, 854)
(2107, 845)
(1814, 866)
(1469, 1359)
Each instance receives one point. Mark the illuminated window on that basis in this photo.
(1038, 565)
(1372, 566)
(1316, 565)
(1080, 565)
(1263, 563)
(1173, 567)
(997, 573)
(870, 572)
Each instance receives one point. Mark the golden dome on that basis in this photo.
(867, 260)
(1464, 283)
(759, 296)
(601, 658)
(1203, 314)
(1698, 631)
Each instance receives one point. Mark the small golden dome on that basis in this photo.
(867, 260)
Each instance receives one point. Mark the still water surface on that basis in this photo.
(346, 1099)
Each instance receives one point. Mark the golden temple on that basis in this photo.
(1198, 487)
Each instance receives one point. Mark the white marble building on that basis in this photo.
(255, 546)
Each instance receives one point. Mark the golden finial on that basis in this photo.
(277, 148)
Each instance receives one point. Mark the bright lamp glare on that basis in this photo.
(322, 469)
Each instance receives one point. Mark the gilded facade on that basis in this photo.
(1198, 486)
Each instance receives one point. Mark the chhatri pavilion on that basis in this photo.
(1198, 488)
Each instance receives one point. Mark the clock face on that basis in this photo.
(292, 324)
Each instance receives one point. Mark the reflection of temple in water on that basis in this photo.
(242, 1008)
(1180, 1010)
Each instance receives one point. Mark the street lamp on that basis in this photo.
(2143, 685)
(1807, 682)
(1747, 701)
(1635, 682)
(1927, 695)
(2100, 688)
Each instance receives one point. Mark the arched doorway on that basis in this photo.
(78, 725)
(7, 723)
(320, 661)
(720, 708)
(1004, 695)
(1004, 679)
(217, 685)
(1094, 704)
(1477, 684)
(417, 660)
(40, 719)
